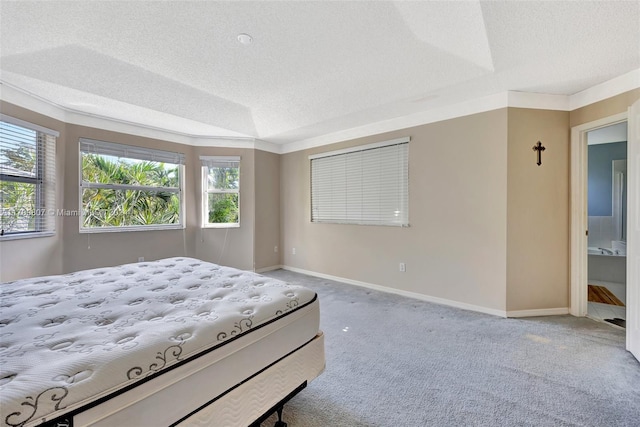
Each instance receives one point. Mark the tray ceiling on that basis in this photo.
(312, 68)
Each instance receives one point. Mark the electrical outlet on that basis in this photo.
(275, 249)
(403, 267)
(293, 251)
(141, 259)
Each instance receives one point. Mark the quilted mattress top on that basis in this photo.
(68, 340)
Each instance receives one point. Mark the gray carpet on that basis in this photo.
(396, 361)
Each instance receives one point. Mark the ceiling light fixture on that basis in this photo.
(245, 38)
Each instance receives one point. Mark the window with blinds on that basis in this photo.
(366, 185)
(27, 179)
(220, 191)
(126, 187)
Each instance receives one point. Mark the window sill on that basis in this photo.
(129, 229)
(32, 235)
(230, 225)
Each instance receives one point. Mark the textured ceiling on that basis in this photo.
(313, 68)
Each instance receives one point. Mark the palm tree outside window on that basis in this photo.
(129, 188)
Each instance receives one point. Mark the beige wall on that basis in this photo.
(608, 107)
(90, 250)
(267, 205)
(536, 222)
(228, 246)
(488, 227)
(69, 250)
(537, 210)
(456, 245)
(36, 256)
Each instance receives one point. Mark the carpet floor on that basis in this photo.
(397, 361)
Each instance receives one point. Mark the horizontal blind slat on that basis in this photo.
(27, 153)
(361, 187)
(105, 148)
(220, 161)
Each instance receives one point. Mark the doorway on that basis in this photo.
(607, 223)
(579, 221)
(579, 211)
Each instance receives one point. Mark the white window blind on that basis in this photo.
(366, 185)
(27, 178)
(220, 161)
(104, 148)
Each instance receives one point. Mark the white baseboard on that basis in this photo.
(415, 295)
(451, 303)
(539, 312)
(265, 269)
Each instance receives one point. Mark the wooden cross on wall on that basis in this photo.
(539, 148)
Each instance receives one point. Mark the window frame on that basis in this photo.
(206, 191)
(138, 153)
(361, 206)
(45, 181)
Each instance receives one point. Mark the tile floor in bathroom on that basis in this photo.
(607, 311)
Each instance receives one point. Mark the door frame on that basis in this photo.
(579, 220)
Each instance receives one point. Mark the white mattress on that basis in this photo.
(67, 341)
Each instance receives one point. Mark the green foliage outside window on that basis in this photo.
(223, 208)
(19, 203)
(223, 201)
(123, 207)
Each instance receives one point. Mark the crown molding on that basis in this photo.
(537, 101)
(35, 103)
(506, 99)
(608, 89)
(516, 99)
